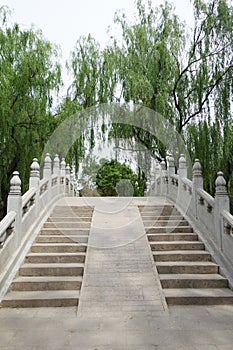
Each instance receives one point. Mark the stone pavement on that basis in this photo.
(122, 305)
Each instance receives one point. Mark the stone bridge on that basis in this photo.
(173, 246)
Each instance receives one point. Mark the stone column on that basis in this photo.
(56, 165)
(171, 166)
(47, 174)
(163, 184)
(182, 171)
(34, 179)
(221, 202)
(68, 177)
(63, 175)
(156, 176)
(47, 170)
(72, 182)
(56, 172)
(197, 183)
(14, 203)
(170, 172)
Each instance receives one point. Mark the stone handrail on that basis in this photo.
(28, 200)
(204, 197)
(187, 185)
(228, 222)
(7, 226)
(26, 213)
(209, 215)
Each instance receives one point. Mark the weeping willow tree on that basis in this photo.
(29, 79)
(184, 74)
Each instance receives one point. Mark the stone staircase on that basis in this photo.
(186, 270)
(51, 274)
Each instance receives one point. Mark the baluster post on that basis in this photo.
(197, 183)
(34, 181)
(221, 202)
(14, 203)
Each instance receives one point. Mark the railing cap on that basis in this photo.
(35, 165)
(182, 162)
(47, 158)
(163, 164)
(220, 184)
(15, 184)
(63, 163)
(197, 165)
(56, 158)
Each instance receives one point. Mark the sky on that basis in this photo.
(63, 22)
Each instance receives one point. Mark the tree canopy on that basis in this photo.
(183, 73)
(29, 79)
(114, 178)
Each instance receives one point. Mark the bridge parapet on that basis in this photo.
(26, 213)
(209, 215)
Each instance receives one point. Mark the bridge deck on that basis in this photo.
(121, 306)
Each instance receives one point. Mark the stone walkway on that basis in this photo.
(120, 277)
(121, 304)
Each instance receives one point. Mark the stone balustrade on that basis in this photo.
(209, 215)
(26, 213)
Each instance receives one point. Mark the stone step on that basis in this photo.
(179, 267)
(203, 296)
(65, 224)
(154, 237)
(169, 229)
(160, 211)
(46, 298)
(66, 269)
(31, 283)
(70, 214)
(58, 248)
(182, 255)
(169, 223)
(161, 218)
(59, 210)
(61, 239)
(65, 231)
(70, 219)
(176, 245)
(45, 258)
(193, 281)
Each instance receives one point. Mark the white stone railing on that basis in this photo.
(7, 226)
(209, 215)
(26, 213)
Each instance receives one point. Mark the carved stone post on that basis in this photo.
(221, 203)
(197, 183)
(182, 172)
(157, 175)
(14, 203)
(47, 174)
(34, 181)
(68, 177)
(47, 170)
(56, 165)
(34, 174)
(171, 166)
(163, 184)
(72, 182)
(170, 172)
(63, 175)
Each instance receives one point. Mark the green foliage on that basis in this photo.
(29, 78)
(183, 74)
(114, 178)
